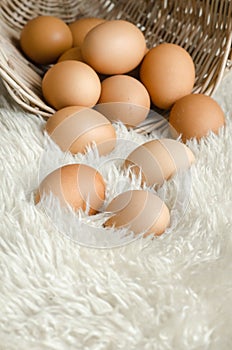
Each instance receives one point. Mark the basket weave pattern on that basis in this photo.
(202, 27)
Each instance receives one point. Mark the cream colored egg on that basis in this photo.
(74, 128)
(159, 160)
(77, 185)
(140, 211)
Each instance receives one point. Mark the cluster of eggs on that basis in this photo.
(106, 65)
(83, 187)
(96, 61)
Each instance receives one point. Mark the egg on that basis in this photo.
(74, 128)
(76, 185)
(114, 47)
(44, 38)
(140, 211)
(168, 73)
(71, 54)
(70, 83)
(195, 115)
(124, 98)
(81, 27)
(158, 160)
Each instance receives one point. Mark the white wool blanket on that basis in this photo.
(60, 289)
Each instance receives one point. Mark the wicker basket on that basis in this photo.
(202, 27)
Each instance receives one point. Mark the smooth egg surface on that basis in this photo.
(159, 160)
(124, 98)
(72, 54)
(168, 73)
(74, 128)
(140, 211)
(44, 38)
(114, 47)
(77, 185)
(195, 115)
(70, 83)
(81, 27)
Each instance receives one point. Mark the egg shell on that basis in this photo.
(74, 128)
(81, 27)
(168, 73)
(44, 38)
(133, 98)
(70, 83)
(76, 185)
(195, 115)
(140, 211)
(159, 160)
(114, 47)
(72, 54)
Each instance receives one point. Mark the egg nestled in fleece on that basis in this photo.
(76, 185)
(159, 160)
(74, 128)
(140, 211)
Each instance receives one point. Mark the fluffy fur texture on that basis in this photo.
(172, 292)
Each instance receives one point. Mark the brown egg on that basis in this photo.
(44, 38)
(131, 97)
(114, 47)
(168, 73)
(140, 211)
(72, 54)
(81, 27)
(195, 115)
(76, 185)
(159, 160)
(71, 83)
(74, 128)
